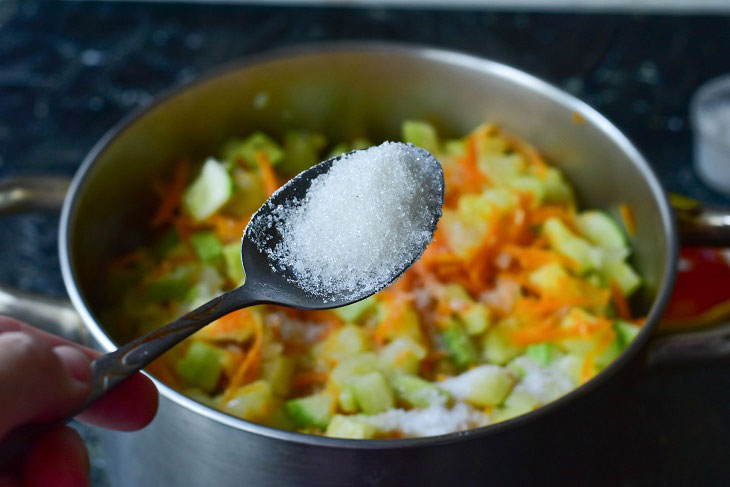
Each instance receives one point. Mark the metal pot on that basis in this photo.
(346, 90)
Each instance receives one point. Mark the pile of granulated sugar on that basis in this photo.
(432, 421)
(371, 215)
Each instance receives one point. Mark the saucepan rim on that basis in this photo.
(459, 60)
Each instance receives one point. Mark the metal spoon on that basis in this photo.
(263, 285)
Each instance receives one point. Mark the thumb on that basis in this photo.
(39, 381)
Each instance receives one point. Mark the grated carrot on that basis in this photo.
(588, 369)
(627, 216)
(227, 228)
(249, 368)
(271, 183)
(531, 155)
(619, 302)
(171, 195)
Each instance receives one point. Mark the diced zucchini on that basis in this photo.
(568, 244)
(373, 393)
(502, 198)
(455, 147)
(234, 266)
(201, 366)
(347, 400)
(349, 427)
(488, 140)
(550, 278)
(207, 286)
(353, 366)
(501, 168)
(252, 402)
(353, 312)
(557, 189)
(498, 347)
(345, 342)
(407, 322)
(462, 235)
(313, 411)
(626, 332)
(303, 150)
(338, 150)
(202, 397)
(209, 191)
(476, 318)
(576, 345)
(174, 285)
(421, 134)
(531, 185)
(625, 276)
(278, 372)
(594, 279)
(417, 392)
(601, 229)
(461, 350)
(485, 385)
(612, 351)
(456, 292)
(542, 353)
(518, 402)
(208, 247)
(401, 355)
(243, 151)
(248, 194)
(278, 418)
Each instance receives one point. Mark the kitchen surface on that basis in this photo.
(69, 71)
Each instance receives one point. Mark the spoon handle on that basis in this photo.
(109, 370)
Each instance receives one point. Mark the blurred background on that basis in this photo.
(70, 70)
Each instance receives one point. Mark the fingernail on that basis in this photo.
(76, 362)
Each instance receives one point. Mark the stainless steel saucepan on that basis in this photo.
(346, 90)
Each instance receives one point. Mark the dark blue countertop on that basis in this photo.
(69, 71)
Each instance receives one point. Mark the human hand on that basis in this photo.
(44, 378)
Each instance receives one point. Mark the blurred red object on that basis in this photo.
(701, 294)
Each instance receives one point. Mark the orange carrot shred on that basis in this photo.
(619, 302)
(249, 368)
(228, 229)
(171, 195)
(627, 216)
(271, 183)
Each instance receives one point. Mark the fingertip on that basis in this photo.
(9, 324)
(128, 407)
(76, 362)
(59, 459)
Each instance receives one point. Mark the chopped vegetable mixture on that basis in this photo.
(519, 299)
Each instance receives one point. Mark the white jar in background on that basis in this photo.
(710, 117)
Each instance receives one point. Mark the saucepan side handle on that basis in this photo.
(690, 347)
(57, 316)
(698, 226)
(701, 225)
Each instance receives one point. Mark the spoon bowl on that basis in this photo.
(278, 287)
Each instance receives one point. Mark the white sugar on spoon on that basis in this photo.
(373, 211)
